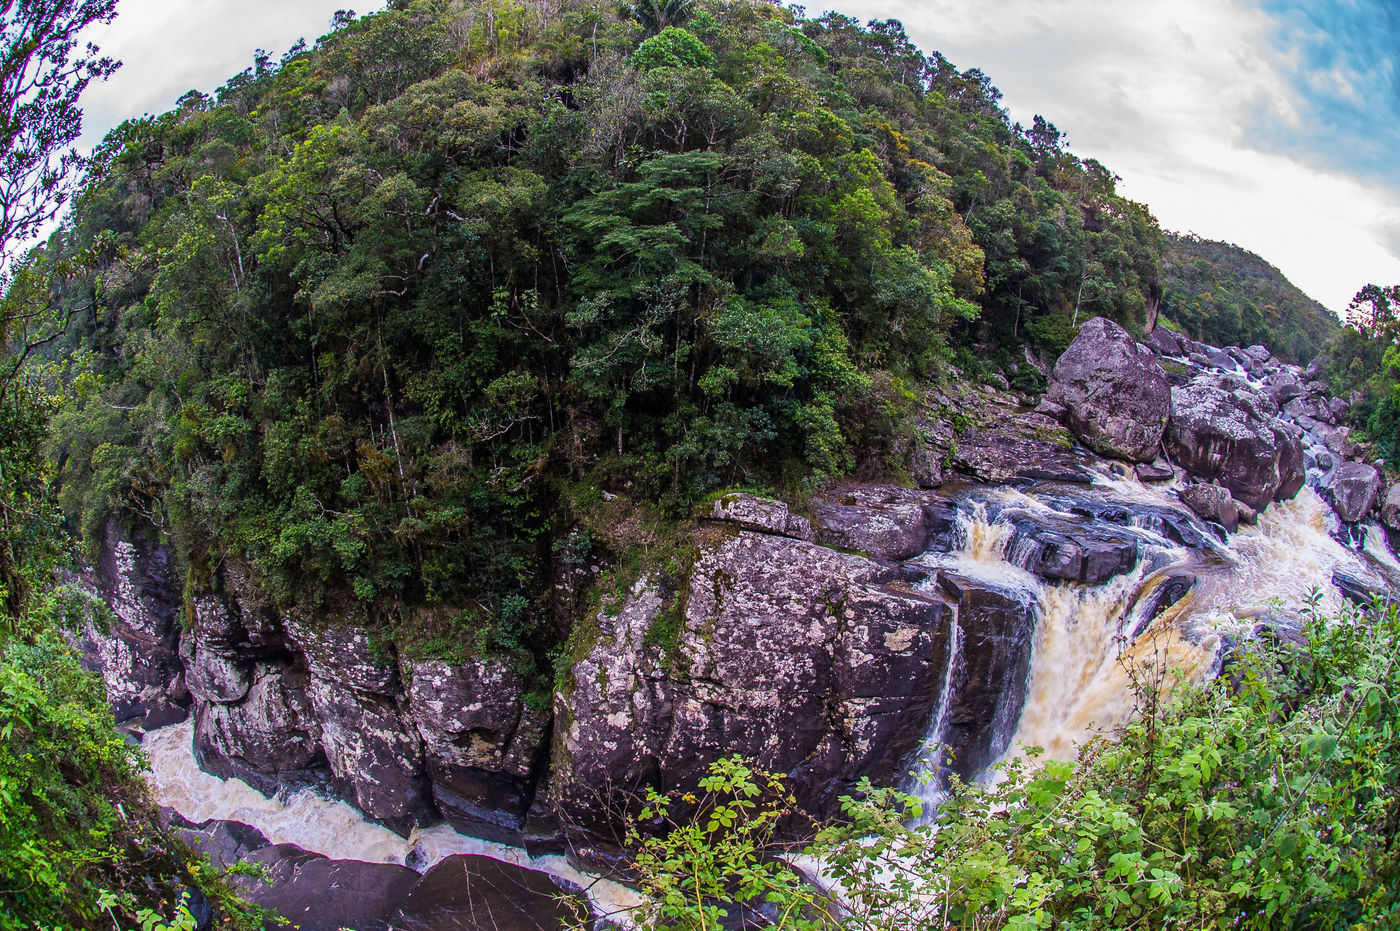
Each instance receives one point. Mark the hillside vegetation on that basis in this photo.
(1221, 294)
(377, 324)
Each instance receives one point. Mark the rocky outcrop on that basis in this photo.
(991, 672)
(1212, 503)
(483, 742)
(820, 664)
(884, 522)
(470, 893)
(1352, 489)
(133, 644)
(1223, 430)
(1390, 507)
(764, 515)
(1114, 391)
(268, 736)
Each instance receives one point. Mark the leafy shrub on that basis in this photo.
(1264, 799)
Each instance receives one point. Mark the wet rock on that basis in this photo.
(1114, 390)
(818, 664)
(1212, 503)
(1292, 461)
(267, 736)
(1352, 489)
(1222, 360)
(1390, 508)
(1060, 550)
(990, 673)
(1248, 515)
(470, 893)
(1283, 387)
(1172, 589)
(1165, 342)
(760, 514)
(372, 757)
(1353, 589)
(319, 894)
(1222, 430)
(1154, 471)
(1302, 409)
(883, 522)
(482, 742)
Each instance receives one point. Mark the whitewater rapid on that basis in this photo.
(333, 828)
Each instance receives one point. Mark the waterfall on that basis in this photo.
(1084, 634)
(333, 828)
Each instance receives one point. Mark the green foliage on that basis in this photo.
(1221, 294)
(1264, 799)
(355, 324)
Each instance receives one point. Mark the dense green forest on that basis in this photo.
(379, 322)
(1221, 294)
(415, 318)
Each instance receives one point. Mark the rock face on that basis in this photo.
(1114, 391)
(1221, 429)
(137, 655)
(815, 663)
(282, 699)
(483, 742)
(990, 672)
(1352, 489)
(762, 514)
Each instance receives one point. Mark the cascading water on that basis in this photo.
(1085, 635)
(333, 828)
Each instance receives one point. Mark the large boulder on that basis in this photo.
(1352, 489)
(1114, 391)
(319, 894)
(814, 663)
(1212, 503)
(1223, 430)
(471, 893)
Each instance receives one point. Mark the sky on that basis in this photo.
(1273, 124)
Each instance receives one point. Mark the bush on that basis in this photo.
(1263, 799)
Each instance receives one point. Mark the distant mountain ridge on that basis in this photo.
(1220, 293)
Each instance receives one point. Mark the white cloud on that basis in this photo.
(1164, 95)
(167, 48)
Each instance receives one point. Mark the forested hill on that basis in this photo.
(1222, 294)
(382, 324)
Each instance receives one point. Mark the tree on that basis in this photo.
(42, 75)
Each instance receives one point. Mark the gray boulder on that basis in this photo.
(1114, 391)
(762, 514)
(1165, 342)
(1352, 489)
(1212, 503)
(1222, 430)
(1390, 508)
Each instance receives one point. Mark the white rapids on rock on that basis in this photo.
(333, 828)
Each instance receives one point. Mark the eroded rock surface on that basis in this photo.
(1114, 391)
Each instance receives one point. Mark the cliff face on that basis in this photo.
(831, 647)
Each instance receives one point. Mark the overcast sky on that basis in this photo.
(1274, 124)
